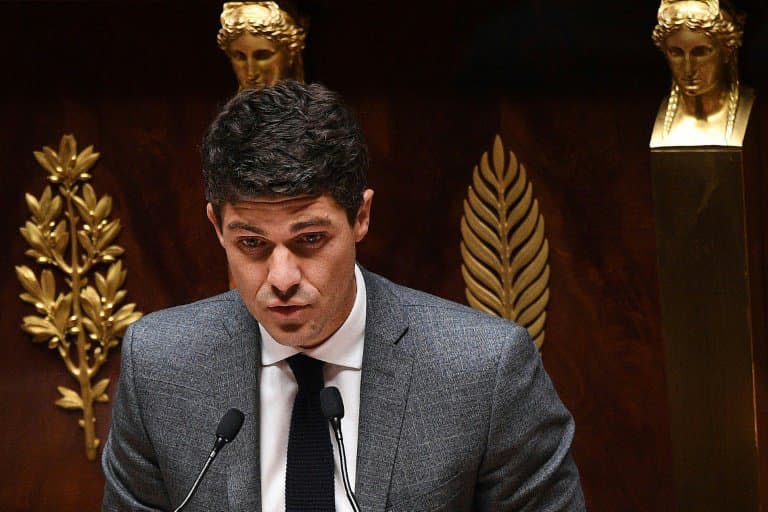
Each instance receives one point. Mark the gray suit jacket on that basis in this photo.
(456, 411)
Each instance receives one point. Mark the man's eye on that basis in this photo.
(251, 243)
(312, 238)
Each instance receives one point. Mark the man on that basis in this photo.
(447, 408)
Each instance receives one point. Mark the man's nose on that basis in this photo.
(284, 272)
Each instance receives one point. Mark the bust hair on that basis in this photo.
(726, 26)
(264, 19)
(291, 139)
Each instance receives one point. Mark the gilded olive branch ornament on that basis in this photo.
(503, 248)
(70, 234)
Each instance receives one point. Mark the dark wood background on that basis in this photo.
(573, 89)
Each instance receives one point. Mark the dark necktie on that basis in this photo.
(309, 468)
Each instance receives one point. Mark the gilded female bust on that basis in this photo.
(706, 105)
(262, 42)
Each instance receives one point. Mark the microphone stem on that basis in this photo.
(344, 471)
(212, 456)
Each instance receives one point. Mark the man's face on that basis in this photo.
(257, 61)
(292, 260)
(697, 63)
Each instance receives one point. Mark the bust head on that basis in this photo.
(262, 42)
(699, 39)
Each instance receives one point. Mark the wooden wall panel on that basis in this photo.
(588, 163)
(574, 97)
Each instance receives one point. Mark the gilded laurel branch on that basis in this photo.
(503, 248)
(70, 234)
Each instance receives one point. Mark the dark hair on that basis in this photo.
(290, 139)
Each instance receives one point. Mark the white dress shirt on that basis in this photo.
(343, 355)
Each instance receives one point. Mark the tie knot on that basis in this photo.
(308, 372)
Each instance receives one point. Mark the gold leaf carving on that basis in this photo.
(503, 245)
(100, 387)
(69, 399)
(70, 235)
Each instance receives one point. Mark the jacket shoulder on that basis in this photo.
(189, 327)
(448, 327)
(199, 312)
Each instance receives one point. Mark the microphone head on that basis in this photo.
(230, 425)
(331, 403)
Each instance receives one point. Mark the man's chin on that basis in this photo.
(293, 335)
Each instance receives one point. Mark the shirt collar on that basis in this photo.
(343, 348)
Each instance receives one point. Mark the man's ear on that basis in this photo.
(215, 221)
(363, 219)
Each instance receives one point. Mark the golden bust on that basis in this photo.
(262, 42)
(706, 106)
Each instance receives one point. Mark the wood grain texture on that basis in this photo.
(595, 196)
(573, 97)
(708, 326)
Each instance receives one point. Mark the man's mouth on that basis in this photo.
(287, 310)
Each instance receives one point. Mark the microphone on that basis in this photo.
(333, 410)
(229, 426)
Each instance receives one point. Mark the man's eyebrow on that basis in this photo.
(309, 223)
(244, 225)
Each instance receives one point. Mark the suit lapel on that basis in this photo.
(236, 369)
(386, 376)
(385, 380)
